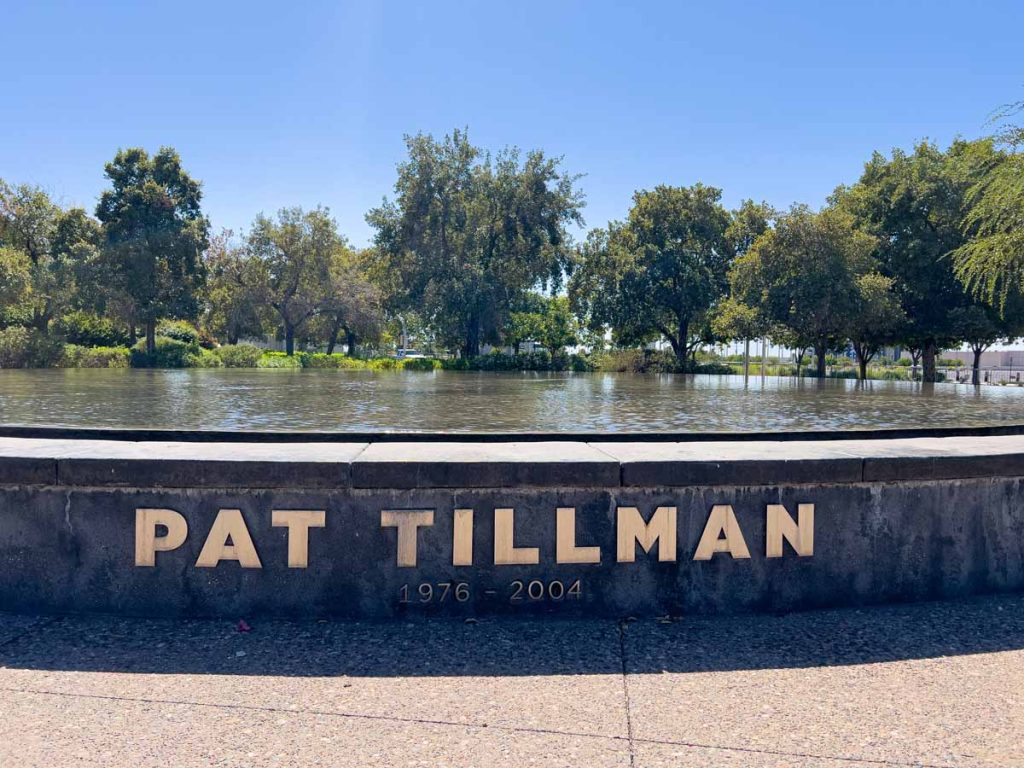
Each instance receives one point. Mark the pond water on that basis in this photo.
(359, 401)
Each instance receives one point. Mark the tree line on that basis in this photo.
(924, 251)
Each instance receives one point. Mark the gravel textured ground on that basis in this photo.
(934, 684)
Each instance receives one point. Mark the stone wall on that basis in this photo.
(567, 528)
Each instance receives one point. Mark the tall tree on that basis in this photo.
(154, 235)
(58, 245)
(914, 204)
(352, 304)
(876, 321)
(803, 275)
(292, 259)
(663, 270)
(468, 234)
(980, 326)
(233, 308)
(991, 261)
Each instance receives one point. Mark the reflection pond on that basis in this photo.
(362, 401)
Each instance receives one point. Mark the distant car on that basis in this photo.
(409, 354)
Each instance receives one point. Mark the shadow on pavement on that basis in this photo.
(509, 647)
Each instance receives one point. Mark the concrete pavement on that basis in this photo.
(931, 684)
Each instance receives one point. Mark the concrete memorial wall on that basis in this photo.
(380, 529)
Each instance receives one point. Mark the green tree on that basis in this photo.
(15, 279)
(547, 320)
(877, 320)
(232, 307)
(352, 304)
(58, 244)
(803, 275)
(991, 261)
(292, 259)
(914, 204)
(154, 236)
(661, 272)
(980, 327)
(468, 234)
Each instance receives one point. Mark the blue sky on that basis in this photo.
(275, 104)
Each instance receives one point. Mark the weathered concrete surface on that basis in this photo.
(930, 684)
(945, 519)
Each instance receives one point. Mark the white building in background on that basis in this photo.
(992, 358)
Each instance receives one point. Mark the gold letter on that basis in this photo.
(462, 537)
(566, 550)
(147, 543)
(633, 529)
(505, 550)
(799, 535)
(298, 522)
(229, 525)
(722, 520)
(407, 521)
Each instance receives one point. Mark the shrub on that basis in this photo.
(384, 364)
(94, 357)
(842, 373)
(279, 360)
(169, 353)
(207, 358)
(22, 347)
(88, 330)
(720, 369)
(239, 355)
(895, 375)
(179, 330)
(421, 364)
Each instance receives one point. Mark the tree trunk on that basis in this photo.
(133, 335)
(863, 358)
(976, 366)
(928, 355)
(232, 337)
(350, 341)
(819, 354)
(289, 340)
(150, 336)
(799, 361)
(746, 359)
(472, 346)
(332, 340)
(680, 348)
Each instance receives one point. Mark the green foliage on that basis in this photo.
(291, 265)
(467, 234)
(173, 353)
(76, 356)
(90, 330)
(22, 347)
(547, 320)
(182, 330)
(239, 355)
(154, 235)
(659, 273)
(803, 275)
(534, 361)
(279, 360)
(421, 364)
(990, 262)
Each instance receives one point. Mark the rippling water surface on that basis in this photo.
(356, 401)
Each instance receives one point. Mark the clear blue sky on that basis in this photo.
(275, 104)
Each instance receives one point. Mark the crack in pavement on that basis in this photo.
(625, 692)
(628, 739)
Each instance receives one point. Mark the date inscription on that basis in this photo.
(535, 590)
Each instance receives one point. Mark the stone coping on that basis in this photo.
(457, 464)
